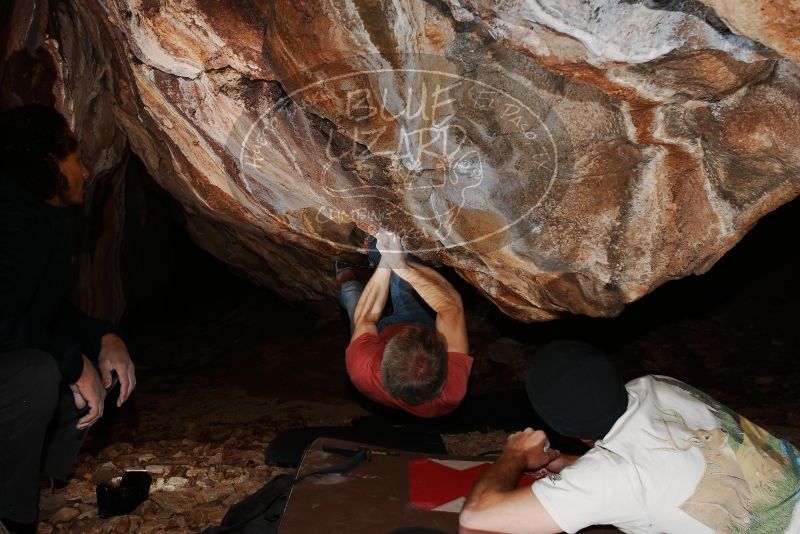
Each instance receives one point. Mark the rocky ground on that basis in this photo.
(220, 373)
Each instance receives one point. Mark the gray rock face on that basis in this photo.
(563, 157)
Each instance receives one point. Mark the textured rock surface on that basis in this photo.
(563, 157)
(775, 23)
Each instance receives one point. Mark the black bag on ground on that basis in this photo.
(260, 513)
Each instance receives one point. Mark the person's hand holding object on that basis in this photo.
(114, 356)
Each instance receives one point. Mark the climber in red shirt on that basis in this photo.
(416, 358)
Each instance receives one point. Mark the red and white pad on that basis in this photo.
(442, 485)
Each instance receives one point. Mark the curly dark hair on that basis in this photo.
(414, 365)
(33, 139)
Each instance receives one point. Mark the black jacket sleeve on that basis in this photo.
(88, 331)
(23, 252)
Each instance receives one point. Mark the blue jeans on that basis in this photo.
(407, 306)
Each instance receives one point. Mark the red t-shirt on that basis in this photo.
(364, 356)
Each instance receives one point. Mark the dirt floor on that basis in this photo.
(221, 370)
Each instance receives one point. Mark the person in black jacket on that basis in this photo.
(55, 362)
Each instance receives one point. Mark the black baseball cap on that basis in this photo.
(575, 389)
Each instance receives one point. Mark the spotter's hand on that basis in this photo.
(88, 391)
(533, 447)
(114, 356)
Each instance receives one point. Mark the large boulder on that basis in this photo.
(563, 157)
